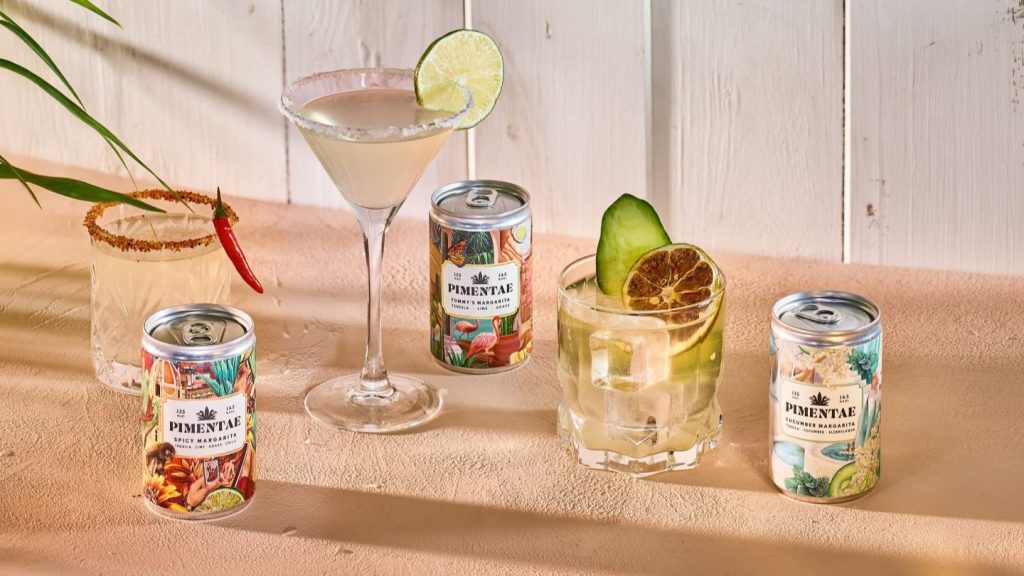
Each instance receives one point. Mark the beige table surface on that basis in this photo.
(486, 488)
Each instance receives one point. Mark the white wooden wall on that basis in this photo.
(188, 85)
(870, 131)
(936, 127)
(748, 124)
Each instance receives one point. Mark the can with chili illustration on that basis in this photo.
(480, 276)
(825, 396)
(199, 411)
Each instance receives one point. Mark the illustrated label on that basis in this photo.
(201, 428)
(481, 291)
(819, 413)
(481, 312)
(826, 418)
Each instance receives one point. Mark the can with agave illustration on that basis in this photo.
(199, 411)
(480, 276)
(825, 396)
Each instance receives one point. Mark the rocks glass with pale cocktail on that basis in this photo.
(640, 342)
(143, 261)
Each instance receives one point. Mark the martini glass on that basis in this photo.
(374, 141)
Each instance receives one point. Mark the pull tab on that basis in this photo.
(481, 197)
(819, 314)
(197, 332)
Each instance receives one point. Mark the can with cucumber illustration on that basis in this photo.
(480, 276)
(825, 396)
(199, 411)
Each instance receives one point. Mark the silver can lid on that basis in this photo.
(480, 203)
(828, 317)
(198, 332)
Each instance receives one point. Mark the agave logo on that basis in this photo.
(206, 414)
(819, 399)
(480, 278)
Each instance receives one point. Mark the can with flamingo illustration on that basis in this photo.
(199, 411)
(480, 276)
(825, 396)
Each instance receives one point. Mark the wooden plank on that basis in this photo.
(188, 85)
(936, 114)
(571, 124)
(747, 124)
(326, 35)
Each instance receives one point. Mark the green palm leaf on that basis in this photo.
(7, 22)
(71, 188)
(95, 10)
(20, 32)
(84, 116)
(17, 174)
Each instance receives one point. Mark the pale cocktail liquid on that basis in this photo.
(639, 390)
(128, 286)
(374, 172)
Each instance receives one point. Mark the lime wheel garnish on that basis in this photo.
(455, 62)
(221, 499)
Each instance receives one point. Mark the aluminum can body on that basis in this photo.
(481, 245)
(199, 411)
(825, 396)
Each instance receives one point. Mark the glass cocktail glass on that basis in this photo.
(374, 141)
(142, 262)
(638, 387)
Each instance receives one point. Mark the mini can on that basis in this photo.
(480, 276)
(825, 396)
(199, 411)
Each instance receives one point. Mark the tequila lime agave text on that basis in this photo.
(640, 343)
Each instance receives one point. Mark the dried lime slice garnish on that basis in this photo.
(680, 279)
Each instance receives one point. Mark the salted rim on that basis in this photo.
(290, 110)
(715, 295)
(126, 244)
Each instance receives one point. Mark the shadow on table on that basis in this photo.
(950, 440)
(68, 283)
(930, 467)
(41, 341)
(741, 461)
(492, 419)
(453, 415)
(441, 527)
(20, 560)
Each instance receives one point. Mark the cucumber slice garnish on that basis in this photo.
(629, 229)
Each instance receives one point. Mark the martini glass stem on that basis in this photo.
(374, 377)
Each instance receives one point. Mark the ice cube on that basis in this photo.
(637, 417)
(629, 357)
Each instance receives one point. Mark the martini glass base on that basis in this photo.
(343, 403)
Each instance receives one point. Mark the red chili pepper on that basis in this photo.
(230, 244)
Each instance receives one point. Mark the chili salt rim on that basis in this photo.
(124, 243)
